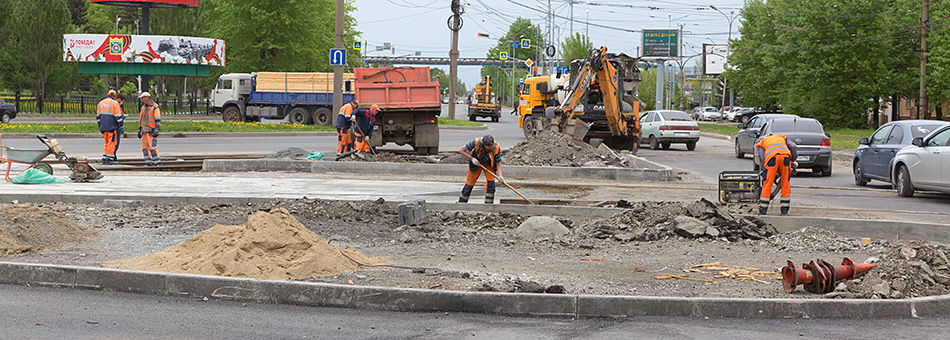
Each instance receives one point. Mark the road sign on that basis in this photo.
(358, 45)
(528, 62)
(503, 55)
(686, 88)
(550, 51)
(563, 69)
(525, 43)
(337, 57)
(515, 44)
(521, 80)
(661, 44)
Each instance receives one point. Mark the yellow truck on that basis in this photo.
(483, 102)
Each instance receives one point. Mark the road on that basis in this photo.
(50, 313)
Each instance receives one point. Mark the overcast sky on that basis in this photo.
(420, 25)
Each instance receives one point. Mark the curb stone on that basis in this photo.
(426, 300)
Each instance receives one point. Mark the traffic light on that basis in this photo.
(484, 35)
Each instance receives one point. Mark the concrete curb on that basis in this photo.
(211, 134)
(424, 300)
(661, 174)
(890, 230)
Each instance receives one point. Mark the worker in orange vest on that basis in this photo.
(365, 123)
(150, 123)
(778, 156)
(344, 120)
(110, 119)
(486, 152)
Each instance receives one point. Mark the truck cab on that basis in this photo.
(540, 92)
(230, 96)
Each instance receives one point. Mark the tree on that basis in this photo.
(502, 77)
(575, 47)
(37, 28)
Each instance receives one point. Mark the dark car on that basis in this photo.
(814, 145)
(744, 142)
(872, 159)
(746, 114)
(7, 111)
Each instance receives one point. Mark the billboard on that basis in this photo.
(661, 44)
(715, 58)
(150, 3)
(147, 49)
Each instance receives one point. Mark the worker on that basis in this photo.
(150, 123)
(110, 119)
(344, 120)
(778, 156)
(365, 122)
(485, 152)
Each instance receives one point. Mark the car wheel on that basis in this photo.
(665, 145)
(745, 119)
(859, 178)
(654, 144)
(826, 171)
(6, 118)
(739, 153)
(690, 146)
(905, 188)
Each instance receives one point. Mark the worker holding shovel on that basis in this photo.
(365, 123)
(483, 153)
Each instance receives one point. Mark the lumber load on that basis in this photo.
(300, 82)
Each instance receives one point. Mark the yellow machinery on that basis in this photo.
(483, 102)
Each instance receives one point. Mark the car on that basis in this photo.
(664, 127)
(745, 114)
(7, 111)
(872, 159)
(706, 113)
(925, 165)
(745, 143)
(445, 100)
(730, 113)
(814, 145)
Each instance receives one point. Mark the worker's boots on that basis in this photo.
(786, 202)
(466, 192)
(490, 192)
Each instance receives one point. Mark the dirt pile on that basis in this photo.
(25, 228)
(272, 245)
(915, 269)
(290, 153)
(651, 221)
(820, 239)
(554, 149)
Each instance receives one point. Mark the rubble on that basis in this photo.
(25, 229)
(290, 153)
(517, 285)
(912, 270)
(549, 148)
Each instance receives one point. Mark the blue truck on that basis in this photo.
(301, 98)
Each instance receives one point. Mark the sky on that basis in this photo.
(420, 25)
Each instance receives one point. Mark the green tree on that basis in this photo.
(575, 47)
(443, 78)
(647, 88)
(35, 29)
(504, 77)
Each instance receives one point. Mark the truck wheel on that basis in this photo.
(495, 119)
(471, 116)
(6, 118)
(299, 116)
(528, 127)
(232, 114)
(321, 116)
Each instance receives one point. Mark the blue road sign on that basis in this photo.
(357, 45)
(563, 69)
(525, 43)
(521, 80)
(503, 55)
(687, 88)
(337, 57)
(515, 45)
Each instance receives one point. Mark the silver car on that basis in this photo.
(923, 165)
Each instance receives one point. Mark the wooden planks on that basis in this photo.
(300, 82)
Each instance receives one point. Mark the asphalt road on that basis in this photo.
(49, 313)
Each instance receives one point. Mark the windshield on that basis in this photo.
(711, 109)
(675, 115)
(796, 125)
(920, 131)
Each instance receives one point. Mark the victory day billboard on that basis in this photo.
(113, 48)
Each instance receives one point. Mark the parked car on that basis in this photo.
(662, 128)
(706, 113)
(745, 143)
(731, 113)
(7, 111)
(872, 159)
(814, 145)
(923, 165)
(745, 114)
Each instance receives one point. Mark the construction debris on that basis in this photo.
(915, 269)
(26, 229)
(549, 148)
(290, 153)
(821, 277)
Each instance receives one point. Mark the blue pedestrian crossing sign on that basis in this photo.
(337, 57)
(525, 43)
(358, 45)
(503, 55)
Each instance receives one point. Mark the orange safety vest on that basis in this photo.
(149, 117)
(774, 145)
(346, 110)
(491, 158)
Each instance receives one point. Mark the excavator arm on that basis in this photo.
(596, 66)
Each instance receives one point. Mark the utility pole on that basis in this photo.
(924, 106)
(338, 70)
(455, 26)
(146, 21)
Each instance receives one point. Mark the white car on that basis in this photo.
(925, 165)
(706, 113)
(664, 127)
(731, 114)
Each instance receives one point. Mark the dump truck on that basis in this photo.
(301, 98)
(409, 106)
(483, 102)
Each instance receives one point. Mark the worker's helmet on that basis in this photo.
(111, 94)
(355, 103)
(488, 141)
(374, 107)
(145, 94)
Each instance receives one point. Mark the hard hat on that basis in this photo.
(145, 94)
(374, 107)
(111, 93)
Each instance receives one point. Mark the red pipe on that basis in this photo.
(821, 277)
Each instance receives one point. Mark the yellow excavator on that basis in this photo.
(600, 103)
(483, 103)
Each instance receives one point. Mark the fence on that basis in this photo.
(87, 105)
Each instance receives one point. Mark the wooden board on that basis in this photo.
(300, 82)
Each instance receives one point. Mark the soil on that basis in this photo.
(480, 251)
(549, 148)
(25, 228)
(290, 153)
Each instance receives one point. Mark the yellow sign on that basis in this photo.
(528, 62)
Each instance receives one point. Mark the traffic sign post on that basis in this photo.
(338, 57)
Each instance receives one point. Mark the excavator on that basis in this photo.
(600, 103)
(483, 102)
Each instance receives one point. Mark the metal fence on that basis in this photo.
(87, 105)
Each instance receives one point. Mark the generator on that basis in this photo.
(739, 186)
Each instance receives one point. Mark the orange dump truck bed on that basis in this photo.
(407, 88)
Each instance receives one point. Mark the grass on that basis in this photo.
(841, 139)
(457, 122)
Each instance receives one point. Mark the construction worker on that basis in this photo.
(150, 123)
(485, 152)
(778, 156)
(365, 122)
(343, 122)
(110, 119)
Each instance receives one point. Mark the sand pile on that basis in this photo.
(25, 228)
(549, 148)
(272, 245)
